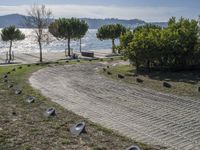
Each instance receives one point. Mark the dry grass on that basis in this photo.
(183, 83)
(23, 126)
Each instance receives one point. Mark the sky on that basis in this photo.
(147, 10)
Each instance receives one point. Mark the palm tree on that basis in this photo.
(11, 34)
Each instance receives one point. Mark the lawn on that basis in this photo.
(23, 125)
(183, 83)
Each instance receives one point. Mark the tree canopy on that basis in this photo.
(11, 34)
(146, 27)
(175, 47)
(112, 31)
(68, 29)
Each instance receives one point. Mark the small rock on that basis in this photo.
(120, 76)
(10, 86)
(18, 92)
(133, 148)
(14, 113)
(109, 73)
(139, 80)
(50, 112)
(167, 85)
(78, 128)
(30, 99)
(5, 76)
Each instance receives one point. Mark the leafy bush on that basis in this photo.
(174, 47)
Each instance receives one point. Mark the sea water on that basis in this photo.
(30, 45)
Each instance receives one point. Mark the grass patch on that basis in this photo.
(183, 83)
(23, 125)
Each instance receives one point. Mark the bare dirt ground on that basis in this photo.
(142, 114)
(28, 58)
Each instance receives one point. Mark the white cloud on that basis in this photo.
(13, 9)
(144, 13)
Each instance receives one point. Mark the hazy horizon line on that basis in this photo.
(93, 18)
(147, 13)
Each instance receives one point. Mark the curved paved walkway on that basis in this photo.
(142, 114)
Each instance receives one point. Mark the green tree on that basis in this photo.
(141, 46)
(112, 32)
(11, 34)
(146, 27)
(68, 29)
(180, 40)
(174, 47)
(125, 39)
(145, 46)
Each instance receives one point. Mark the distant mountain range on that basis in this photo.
(17, 20)
(13, 19)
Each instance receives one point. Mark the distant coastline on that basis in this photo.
(17, 20)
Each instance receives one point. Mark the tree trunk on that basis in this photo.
(65, 51)
(10, 55)
(80, 45)
(136, 65)
(113, 46)
(40, 46)
(69, 49)
(148, 65)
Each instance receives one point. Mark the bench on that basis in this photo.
(87, 54)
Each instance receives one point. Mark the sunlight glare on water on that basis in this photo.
(29, 44)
